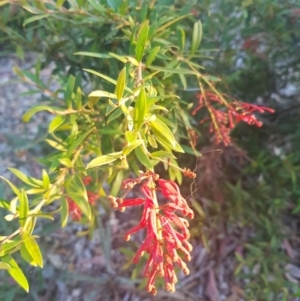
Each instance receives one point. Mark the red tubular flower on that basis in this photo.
(162, 241)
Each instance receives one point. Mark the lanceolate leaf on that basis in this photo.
(161, 131)
(93, 54)
(77, 192)
(152, 55)
(141, 41)
(143, 158)
(121, 82)
(140, 110)
(64, 212)
(33, 250)
(27, 116)
(15, 272)
(105, 159)
(24, 207)
(35, 18)
(100, 93)
(197, 36)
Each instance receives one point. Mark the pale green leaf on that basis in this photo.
(103, 160)
(141, 40)
(34, 250)
(56, 123)
(100, 93)
(140, 110)
(121, 82)
(197, 36)
(24, 208)
(152, 55)
(15, 272)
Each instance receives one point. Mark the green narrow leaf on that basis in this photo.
(56, 145)
(93, 54)
(64, 212)
(46, 179)
(130, 147)
(161, 29)
(15, 272)
(4, 204)
(183, 81)
(24, 208)
(181, 39)
(35, 18)
(77, 192)
(107, 78)
(27, 116)
(121, 82)
(69, 90)
(117, 182)
(141, 41)
(118, 112)
(12, 186)
(173, 71)
(143, 158)
(26, 179)
(140, 110)
(100, 93)
(33, 250)
(152, 55)
(56, 123)
(105, 159)
(197, 36)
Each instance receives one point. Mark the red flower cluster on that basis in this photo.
(74, 210)
(223, 121)
(162, 241)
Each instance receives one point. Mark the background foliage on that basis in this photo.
(249, 193)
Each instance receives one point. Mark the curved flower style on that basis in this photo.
(166, 232)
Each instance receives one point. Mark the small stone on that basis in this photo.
(76, 292)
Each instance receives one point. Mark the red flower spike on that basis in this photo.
(223, 121)
(162, 241)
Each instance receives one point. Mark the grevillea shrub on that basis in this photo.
(122, 132)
